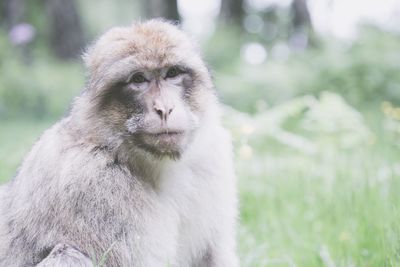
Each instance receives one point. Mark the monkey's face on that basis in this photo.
(152, 87)
(161, 119)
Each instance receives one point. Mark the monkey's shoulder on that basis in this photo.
(60, 156)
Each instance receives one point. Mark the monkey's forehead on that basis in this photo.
(152, 44)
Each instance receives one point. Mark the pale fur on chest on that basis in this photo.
(194, 196)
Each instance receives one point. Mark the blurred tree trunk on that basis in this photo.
(232, 12)
(301, 15)
(12, 12)
(302, 33)
(167, 9)
(66, 33)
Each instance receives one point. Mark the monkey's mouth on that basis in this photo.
(166, 134)
(163, 138)
(163, 142)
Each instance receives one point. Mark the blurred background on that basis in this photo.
(311, 94)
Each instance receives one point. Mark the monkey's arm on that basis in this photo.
(64, 255)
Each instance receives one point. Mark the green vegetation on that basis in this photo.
(313, 198)
(316, 140)
(38, 89)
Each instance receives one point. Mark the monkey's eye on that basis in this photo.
(173, 72)
(138, 78)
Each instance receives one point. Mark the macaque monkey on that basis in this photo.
(139, 173)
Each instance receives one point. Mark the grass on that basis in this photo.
(320, 211)
(335, 208)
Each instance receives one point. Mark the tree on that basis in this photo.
(232, 12)
(301, 16)
(11, 12)
(302, 33)
(66, 33)
(167, 9)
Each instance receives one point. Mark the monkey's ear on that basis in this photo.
(86, 57)
(91, 63)
(91, 59)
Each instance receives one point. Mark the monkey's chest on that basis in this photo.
(187, 200)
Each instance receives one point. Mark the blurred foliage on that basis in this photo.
(305, 124)
(365, 72)
(37, 88)
(123, 12)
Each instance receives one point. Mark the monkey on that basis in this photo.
(139, 172)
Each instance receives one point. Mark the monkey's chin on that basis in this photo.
(163, 144)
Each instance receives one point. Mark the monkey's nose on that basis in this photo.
(162, 110)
